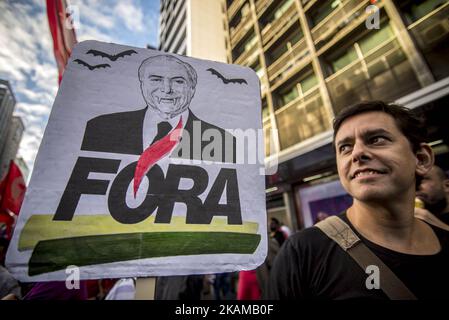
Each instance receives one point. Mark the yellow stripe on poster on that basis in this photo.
(42, 227)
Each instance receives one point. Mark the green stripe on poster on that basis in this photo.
(53, 255)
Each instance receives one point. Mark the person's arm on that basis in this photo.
(9, 287)
(10, 296)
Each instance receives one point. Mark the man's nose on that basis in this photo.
(167, 85)
(360, 152)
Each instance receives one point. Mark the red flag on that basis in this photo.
(13, 191)
(7, 223)
(62, 31)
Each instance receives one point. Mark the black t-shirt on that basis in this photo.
(444, 217)
(311, 265)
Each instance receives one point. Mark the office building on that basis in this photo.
(11, 146)
(193, 28)
(7, 104)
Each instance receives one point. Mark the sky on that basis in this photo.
(26, 51)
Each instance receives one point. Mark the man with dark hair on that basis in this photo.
(377, 249)
(433, 191)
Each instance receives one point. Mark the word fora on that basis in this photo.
(163, 192)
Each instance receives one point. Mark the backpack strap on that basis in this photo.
(336, 229)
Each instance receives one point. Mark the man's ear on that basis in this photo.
(425, 159)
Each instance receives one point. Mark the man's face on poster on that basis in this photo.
(167, 88)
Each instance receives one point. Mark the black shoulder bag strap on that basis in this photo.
(336, 229)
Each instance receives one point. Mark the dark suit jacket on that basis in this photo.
(122, 132)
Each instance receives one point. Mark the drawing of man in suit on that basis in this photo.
(168, 86)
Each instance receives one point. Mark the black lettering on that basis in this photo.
(172, 194)
(79, 184)
(226, 178)
(118, 208)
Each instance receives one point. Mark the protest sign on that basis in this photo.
(151, 164)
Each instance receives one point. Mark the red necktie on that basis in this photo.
(155, 152)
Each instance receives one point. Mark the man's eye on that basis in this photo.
(378, 139)
(155, 79)
(344, 148)
(180, 81)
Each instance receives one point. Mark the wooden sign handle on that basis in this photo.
(145, 288)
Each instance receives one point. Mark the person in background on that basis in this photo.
(286, 230)
(9, 287)
(248, 286)
(275, 231)
(263, 271)
(187, 288)
(433, 191)
(222, 285)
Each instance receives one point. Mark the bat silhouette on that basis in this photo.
(81, 62)
(111, 57)
(225, 80)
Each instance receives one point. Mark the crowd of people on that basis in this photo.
(397, 229)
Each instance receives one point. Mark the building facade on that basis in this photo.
(7, 104)
(316, 57)
(11, 146)
(192, 28)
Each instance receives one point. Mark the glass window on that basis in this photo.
(308, 83)
(283, 8)
(302, 119)
(235, 21)
(246, 44)
(432, 36)
(415, 10)
(289, 95)
(295, 87)
(257, 68)
(343, 60)
(370, 41)
(252, 41)
(271, 15)
(278, 49)
(376, 38)
(323, 11)
(265, 111)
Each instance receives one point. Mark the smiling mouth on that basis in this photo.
(366, 173)
(173, 101)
